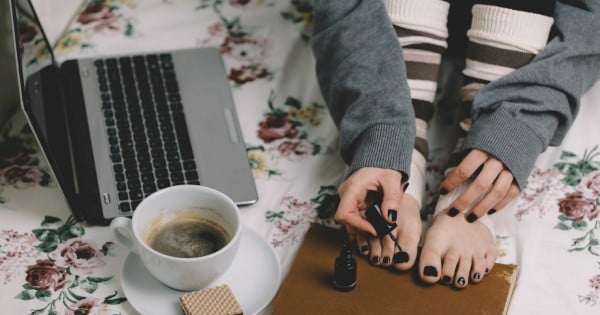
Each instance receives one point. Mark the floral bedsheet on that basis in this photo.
(51, 264)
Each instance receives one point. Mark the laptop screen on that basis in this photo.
(40, 91)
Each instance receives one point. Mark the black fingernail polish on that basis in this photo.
(453, 212)
(400, 257)
(446, 279)
(364, 248)
(375, 259)
(443, 191)
(392, 215)
(461, 281)
(492, 211)
(387, 260)
(344, 270)
(405, 186)
(471, 217)
(476, 276)
(430, 271)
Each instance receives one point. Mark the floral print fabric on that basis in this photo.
(50, 264)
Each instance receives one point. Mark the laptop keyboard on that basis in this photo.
(147, 134)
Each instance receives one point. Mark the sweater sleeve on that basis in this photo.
(362, 77)
(516, 117)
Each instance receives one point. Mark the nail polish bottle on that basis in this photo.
(344, 270)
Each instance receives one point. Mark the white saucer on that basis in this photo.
(254, 278)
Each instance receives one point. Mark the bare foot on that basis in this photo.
(456, 251)
(382, 252)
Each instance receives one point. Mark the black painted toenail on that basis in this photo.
(476, 276)
(364, 248)
(453, 212)
(392, 214)
(461, 281)
(443, 191)
(387, 260)
(375, 259)
(446, 279)
(471, 217)
(430, 271)
(487, 270)
(400, 257)
(492, 211)
(405, 187)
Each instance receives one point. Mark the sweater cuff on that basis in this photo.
(420, 15)
(384, 146)
(509, 140)
(509, 28)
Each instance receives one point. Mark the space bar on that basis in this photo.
(183, 137)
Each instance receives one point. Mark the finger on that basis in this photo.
(493, 197)
(480, 185)
(362, 244)
(464, 170)
(348, 212)
(392, 194)
(513, 192)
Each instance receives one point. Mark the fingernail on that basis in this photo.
(443, 191)
(375, 259)
(476, 276)
(461, 281)
(406, 186)
(387, 260)
(492, 211)
(471, 217)
(453, 212)
(392, 214)
(446, 279)
(364, 248)
(430, 271)
(400, 257)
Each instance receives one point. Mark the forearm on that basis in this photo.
(361, 74)
(518, 116)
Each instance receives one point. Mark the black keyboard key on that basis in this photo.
(157, 153)
(161, 173)
(123, 196)
(115, 158)
(114, 149)
(111, 132)
(134, 184)
(174, 167)
(189, 165)
(145, 167)
(109, 122)
(191, 175)
(147, 178)
(118, 168)
(176, 107)
(130, 163)
(173, 157)
(163, 183)
(159, 163)
(135, 203)
(149, 188)
(177, 177)
(136, 194)
(108, 113)
(132, 174)
(183, 137)
(119, 177)
(124, 207)
(121, 186)
(175, 97)
(99, 63)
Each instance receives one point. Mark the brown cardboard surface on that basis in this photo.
(308, 287)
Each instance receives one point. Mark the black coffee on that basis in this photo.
(188, 238)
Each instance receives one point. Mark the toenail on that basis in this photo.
(471, 217)
(400, 257)
(392, 213)
(492, 211)
(447, 279)
(430, 271)
(405, 186)
(453, 212)
(364, 248)
(443, 191)
(375, 259)
(461, 281)
(476, 276)
(487, 270)
(387, 260)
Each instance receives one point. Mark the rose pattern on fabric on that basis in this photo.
(45, 275)
(86, 306)
(79, 254)
(20, 168)
(577, 208)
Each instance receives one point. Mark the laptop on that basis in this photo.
(116, 129)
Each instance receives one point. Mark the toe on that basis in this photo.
(387, 251)
(461, 279)
(449, 263)
(490, 259)
(363, 245)
(478, 269)
(374, 251)
(430, 264)
(405, 259)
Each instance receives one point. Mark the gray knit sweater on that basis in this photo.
(362, 77)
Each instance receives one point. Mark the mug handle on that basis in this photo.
(123, 232)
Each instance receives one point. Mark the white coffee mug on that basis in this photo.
(185, 274)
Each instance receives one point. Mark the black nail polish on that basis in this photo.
(364, 248)
(376, 219)
(446, 279)
(392, 215)
(492, 211)
(461, 281)
(400, 257)
(405, 186)
(430, 271)
(344, 270)
(476, 276)
(375, 259)
(471, 217)
(487, 270)
(443, 191)
(386, 260)
(453, 212)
